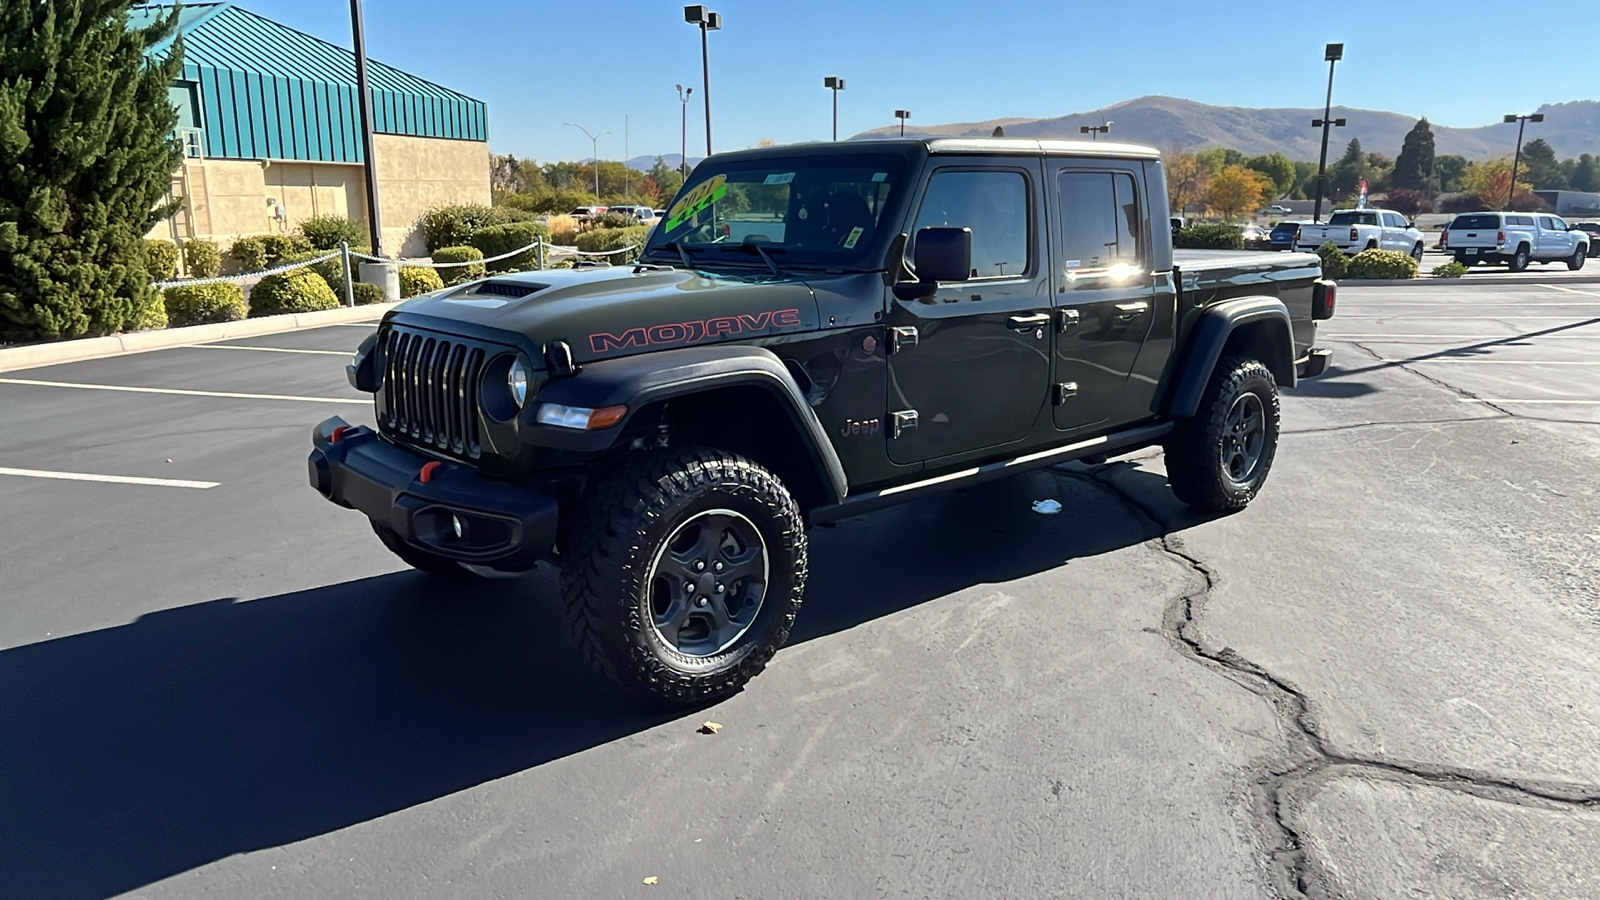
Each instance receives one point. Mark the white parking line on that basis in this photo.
(1410, 318)
(1515, 400)
(180, 392)
(345, 353)
(1557, 287)
(1380, 336)
(1501, 362)
(110, 479)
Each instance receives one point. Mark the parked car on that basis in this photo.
(1593, 231)
(1279, 210)
(1355, 230)
(585, 213)
(1177, 225)
(1517, 239)
(1444, 236)
(1255, 237)
(1284, 235)
(641, 213)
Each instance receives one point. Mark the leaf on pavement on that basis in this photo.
(650, 879)
(710, 728)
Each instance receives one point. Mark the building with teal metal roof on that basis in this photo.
(257, 89)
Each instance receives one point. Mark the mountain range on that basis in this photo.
(1168, 122)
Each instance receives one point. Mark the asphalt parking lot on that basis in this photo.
(1380, 680)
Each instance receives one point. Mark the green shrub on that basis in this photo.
(282, 248)
(614, 220)
(332, 271)
(149, 314)
(1381, 264)
(453, 226)
(366, 293)
(1451, 269)
(202, 259)
(200, 304)
(1334, 262)
(299, 290)
(601, 239)
(249, 253)
(499, 239)
(325, 233)
(459, 274)
(161, 259)
(1209, 236)
(415, 280)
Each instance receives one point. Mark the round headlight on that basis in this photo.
(517, 380)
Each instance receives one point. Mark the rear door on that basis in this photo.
(1105, 295)
(972, 367)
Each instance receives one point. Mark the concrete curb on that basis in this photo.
(33, 355)
(1501, 280)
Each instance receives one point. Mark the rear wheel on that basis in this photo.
(1218, 459)
(684, 574)
(1519, 260)
(1576, 262)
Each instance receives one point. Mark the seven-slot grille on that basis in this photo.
(430, 390)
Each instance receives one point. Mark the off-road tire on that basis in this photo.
(416, 557)
(620, 533)
(1576, 262)
(1519, 260)
(1195, 449)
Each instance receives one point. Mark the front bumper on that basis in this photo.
(501, 525)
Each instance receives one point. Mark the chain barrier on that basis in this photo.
(244, 276)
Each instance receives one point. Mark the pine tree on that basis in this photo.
(1414, 167)
(86, 158)
(1543, 171)
(1349, 170)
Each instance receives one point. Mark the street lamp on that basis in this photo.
(902, 115)
(1332, 54)
(1522, 122)
(594, 158)
(836, 84)
(683, 130)
(1096, 130)
(364, 102)
(708, 21)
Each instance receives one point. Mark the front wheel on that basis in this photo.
(1576, 262)
(683, 574)
(1218, 458)
(1416, 252)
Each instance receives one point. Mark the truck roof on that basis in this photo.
(960, 145)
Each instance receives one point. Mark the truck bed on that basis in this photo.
(1209, 276)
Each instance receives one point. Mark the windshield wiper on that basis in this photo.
(683, 253)
(766, 256)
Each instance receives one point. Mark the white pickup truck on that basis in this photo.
(1515, 239)
(1355, 230)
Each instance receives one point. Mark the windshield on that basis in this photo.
(1353, 218)
(816, 211)
(1485, 222)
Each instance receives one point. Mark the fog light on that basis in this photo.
(458, 527)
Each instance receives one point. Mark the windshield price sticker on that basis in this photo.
(855, 235)
(783, 178)
(704, 194)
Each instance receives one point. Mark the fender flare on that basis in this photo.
(642, 380)
(1210, 334)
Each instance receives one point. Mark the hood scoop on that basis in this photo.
(494, 293)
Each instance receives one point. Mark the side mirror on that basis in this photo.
(943, 253)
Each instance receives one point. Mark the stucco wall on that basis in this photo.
(416, 174)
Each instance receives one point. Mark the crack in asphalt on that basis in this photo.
(1309, 757)
(1439, 382)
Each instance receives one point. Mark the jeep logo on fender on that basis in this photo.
(693, 332)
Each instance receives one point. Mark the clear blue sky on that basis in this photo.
(539, 64)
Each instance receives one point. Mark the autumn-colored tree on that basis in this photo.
(1490, 182)
(1236, 189)
(1186, 180)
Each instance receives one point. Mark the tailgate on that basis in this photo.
(1317, 234)
(1472, 237)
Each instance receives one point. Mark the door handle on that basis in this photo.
(1069, 318)
(1027, 323)
(1126, 311)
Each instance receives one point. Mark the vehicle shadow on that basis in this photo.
(137, 752)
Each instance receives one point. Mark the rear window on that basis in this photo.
(1353, 218)
(1464, 223)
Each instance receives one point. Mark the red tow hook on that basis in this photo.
(428, 468)
(337, 434)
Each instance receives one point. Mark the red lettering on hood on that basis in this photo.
(683, 333)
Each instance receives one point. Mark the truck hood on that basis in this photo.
(607, 312)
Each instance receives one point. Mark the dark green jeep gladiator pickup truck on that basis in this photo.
(811, 332)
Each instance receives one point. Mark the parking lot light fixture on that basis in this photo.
(836, 84)
(1516, 162)
(683, 133)
(902, 115)
(708, 21)
(1332, 53)
(594, 159)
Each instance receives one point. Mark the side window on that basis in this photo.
(1547, 223)
(994, 205)
(1560, 224)
(1100, 220)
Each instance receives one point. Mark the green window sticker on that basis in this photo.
(702, 196)
(855, 235)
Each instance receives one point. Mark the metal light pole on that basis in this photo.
(594, 158)
(902, 115)
(708, 21)
(1333, 54)
(836, 84)
(1522, 122)
(374, 219)
(683, 133)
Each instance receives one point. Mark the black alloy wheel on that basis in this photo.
(1218, 459)
(707, 582)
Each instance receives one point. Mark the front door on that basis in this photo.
(969, 368)
(1105, 291)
